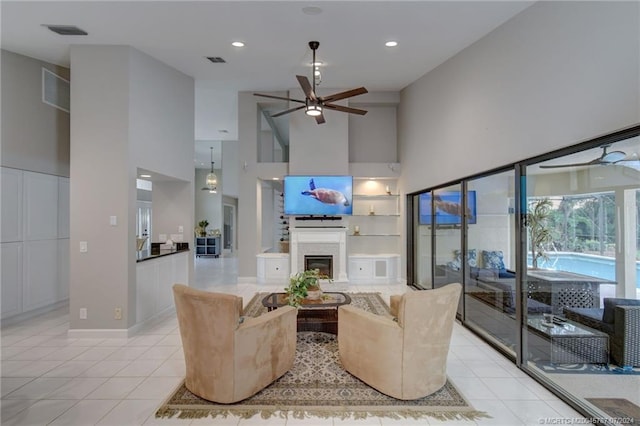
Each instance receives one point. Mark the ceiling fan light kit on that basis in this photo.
(313, 110)
(314, 105)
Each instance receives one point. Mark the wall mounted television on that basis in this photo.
(318, 195)
(448, 207)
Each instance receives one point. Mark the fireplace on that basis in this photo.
(319, 241)
(322, 262)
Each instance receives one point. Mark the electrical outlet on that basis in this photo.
(180, 229)
(117, 313)
(83, 313)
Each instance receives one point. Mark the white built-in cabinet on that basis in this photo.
(35, 241)
(374, 268)
(273, 267)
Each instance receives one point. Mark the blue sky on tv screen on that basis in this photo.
(327, 195)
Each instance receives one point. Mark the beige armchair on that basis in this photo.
(406, 359)
(228, 359)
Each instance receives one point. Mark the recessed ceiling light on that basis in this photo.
(275, 178)
(391, 43)
(145, 176)
(237, 44)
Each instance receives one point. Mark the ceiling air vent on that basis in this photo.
(67, 30)
(216, 59)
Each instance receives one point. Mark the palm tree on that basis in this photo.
(539, 233)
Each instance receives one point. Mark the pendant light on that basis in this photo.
(211, 183)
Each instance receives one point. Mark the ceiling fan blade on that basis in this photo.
(278, 97)
(287, 111)
(306, 87)
(345, 109)
(613, 156)
(320, 119)
(344, 95)
(557, 166)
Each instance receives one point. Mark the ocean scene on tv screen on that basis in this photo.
(448, 207)
(318, 195)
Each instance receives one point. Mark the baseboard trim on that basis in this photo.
(34, 313)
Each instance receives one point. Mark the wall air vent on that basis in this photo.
(216, 59)
(67, 30)
(56, 91)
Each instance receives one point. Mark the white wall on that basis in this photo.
(554, 75)
(130, 111)
(231, 170)
(545, 79)
(318, 148)
(35, 135)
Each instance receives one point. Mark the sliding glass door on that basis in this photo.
(581, 325)
(490, 291)
(548, 251)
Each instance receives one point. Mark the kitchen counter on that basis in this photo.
(143, 255)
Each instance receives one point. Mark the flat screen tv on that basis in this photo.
(448, 208)
(318, 195)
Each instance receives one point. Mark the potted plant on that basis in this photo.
(539, 233)
(303, 285)
(203, 227)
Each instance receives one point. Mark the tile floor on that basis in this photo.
(50, 379)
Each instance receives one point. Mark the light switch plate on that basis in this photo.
(113, 220)
(84, 247)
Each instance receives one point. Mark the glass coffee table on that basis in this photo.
(313, 315)
(566, 341)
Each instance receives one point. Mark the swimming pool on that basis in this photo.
(587, 264)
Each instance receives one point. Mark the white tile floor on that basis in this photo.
(48, 378)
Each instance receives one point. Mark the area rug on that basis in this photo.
(318, 386)
(620, 409)
(584, 368)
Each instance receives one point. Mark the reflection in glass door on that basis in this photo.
(490, 291)
(423, 269)
(447, 222)
(582, 318)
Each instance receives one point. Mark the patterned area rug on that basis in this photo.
(318, 386)
(583, 368)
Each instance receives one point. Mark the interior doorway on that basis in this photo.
(229, 228)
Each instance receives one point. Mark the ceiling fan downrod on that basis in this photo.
(314, 46)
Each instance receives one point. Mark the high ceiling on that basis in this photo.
(352, 38)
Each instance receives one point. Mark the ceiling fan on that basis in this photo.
(313, 104)
(607, 158)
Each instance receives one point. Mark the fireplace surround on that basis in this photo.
(319, 241)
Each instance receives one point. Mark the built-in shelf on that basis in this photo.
(374, 226)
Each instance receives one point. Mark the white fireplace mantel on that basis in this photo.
(335, 237)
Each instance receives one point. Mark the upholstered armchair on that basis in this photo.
(229, 358)
(404, 358)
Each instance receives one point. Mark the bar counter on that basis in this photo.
(143, 255)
